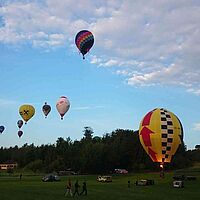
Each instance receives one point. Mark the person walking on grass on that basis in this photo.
(84, 189)
(69, 188)
(76, 188)
(129, 183)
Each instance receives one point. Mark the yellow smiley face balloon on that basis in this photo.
(26, 111)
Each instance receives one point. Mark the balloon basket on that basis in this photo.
(162, 174)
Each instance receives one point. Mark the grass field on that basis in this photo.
(32, 188)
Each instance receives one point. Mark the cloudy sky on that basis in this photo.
(146, 55)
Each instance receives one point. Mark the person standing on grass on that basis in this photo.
(69, 188)
(76, 188)
(84, 190)
(20, 176)
(129, 183)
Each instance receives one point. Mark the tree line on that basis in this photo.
(118, 149)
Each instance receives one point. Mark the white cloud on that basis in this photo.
(165, 52)
(87, 107)
(148, 42)
(81, 108)
(197, 127)
(95, 60)
(195, 91)
(5, 103)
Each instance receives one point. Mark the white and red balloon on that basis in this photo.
(62, 105)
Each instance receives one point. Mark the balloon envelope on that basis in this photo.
(160, 134)
(26, 111)
(20, 133)
(46, 109)
(84, 41)
(20, 123)
(62, 105)
(2, 128)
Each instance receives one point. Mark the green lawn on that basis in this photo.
(32, 188)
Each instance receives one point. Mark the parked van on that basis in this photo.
(104, 179)
(121, 171)
(144, 182)
(178, 184)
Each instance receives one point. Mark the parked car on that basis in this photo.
(66, 173)
(179, 177)
(144, 182)
(104, 179)
(178, 184)
(121, 171)
(50, 178)
(191, 178)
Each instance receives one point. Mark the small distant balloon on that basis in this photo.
(20, 123)
(84, 41)
(62, 105)
(20, 133)
(46, 109)
(26, 111)
(2, 128)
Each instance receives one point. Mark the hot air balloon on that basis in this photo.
(160, 134)
(26, 111)
(20, 123)
(84, 41)
(2, 128)
(20, 133)
(46, 109)
(62, 106)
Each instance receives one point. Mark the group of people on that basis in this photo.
(76, 188)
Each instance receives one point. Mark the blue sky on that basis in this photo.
(146, 55)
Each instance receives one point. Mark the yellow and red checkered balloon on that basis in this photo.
(160, 134)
